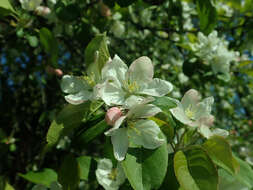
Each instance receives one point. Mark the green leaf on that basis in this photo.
(207, 15)
(67, 120)
(220, 152)
(55, 186)
(44, 177)
(146, 169)
(229, 182)
(4, 185)
(195, 170)
(85, 164)
(167, 129)
(69, 173)
(182, 172)
(33, 41)
(96, 56)
(170, 179)
(6, 8)
(245, 174)
(244, 63)
(165, 103)
(92, 132)
(39, 187)
(50, 44)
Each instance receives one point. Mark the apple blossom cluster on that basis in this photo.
(214, 51)
(128, 94)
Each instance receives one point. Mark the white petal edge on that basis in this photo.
(141, 70)
(120, 143)
(157, 87)
(116, 126)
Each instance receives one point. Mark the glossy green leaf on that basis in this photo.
(68, 119)
(85, 164)
(245, 174)
(50, 44)
(39, 187)
(167, 129)
(146, 169)
(69, 173)
(44, 177)
(165, 103)
(91, 133)
(182, 172)
(6, 8)
(229, 182)
(220, 152)
(195, 170)
(207, 15)
(96, 56)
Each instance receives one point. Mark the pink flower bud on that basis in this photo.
(112, 115)
(58, 72)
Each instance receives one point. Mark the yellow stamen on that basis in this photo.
(113, 174)
(189, 112)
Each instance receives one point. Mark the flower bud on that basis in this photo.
(42, 11)
(112, 115)
(58, 72)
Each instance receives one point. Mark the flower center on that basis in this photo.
(190, 113)
(90, 79)
(113, 174)
(131, 87)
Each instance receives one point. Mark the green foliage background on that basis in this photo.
(32, 46)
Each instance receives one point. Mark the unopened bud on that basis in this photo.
(42, 11)
(58, 72)
(112, 115)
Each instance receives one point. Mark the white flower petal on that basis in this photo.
(190, 98)
(205, 131)
(207, 121)
(145, 133)
(204, 108)
(179, 113)
(220, 132)
(141, 70)
(133, 100)
(116, 69)
(30, 5)
(116, 126)
(143, 111)
(112, 94)
(120, 143)
(104, 168)
(79, 98)
(72, 84)
(157, 87)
